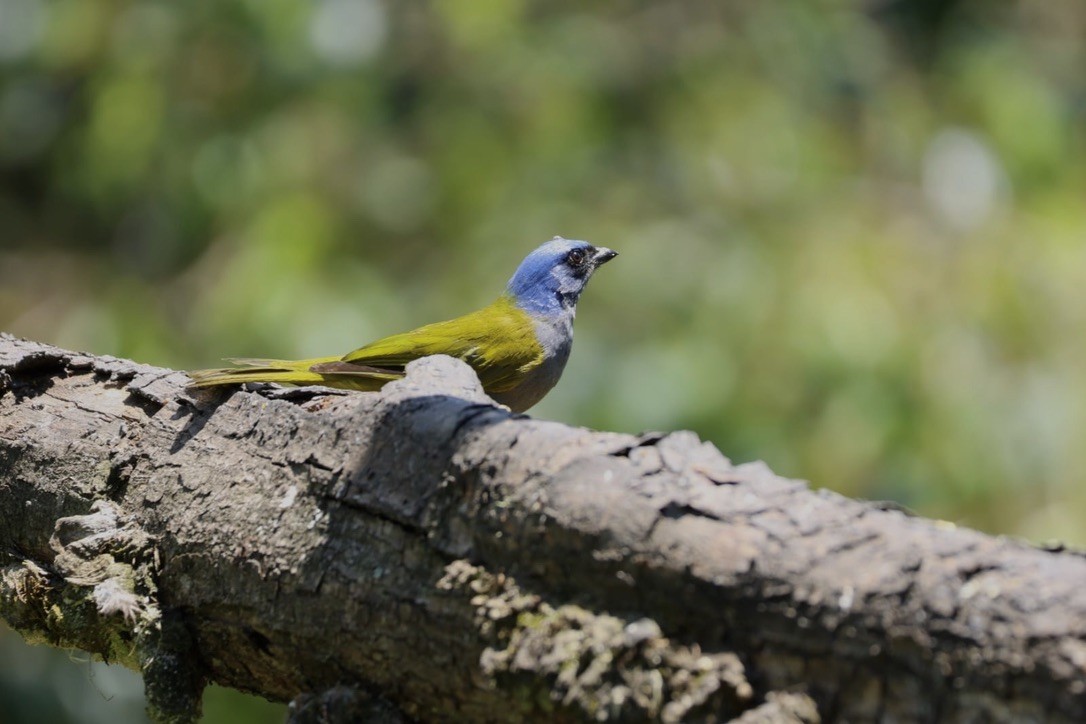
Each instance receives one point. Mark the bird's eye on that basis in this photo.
(576, 257)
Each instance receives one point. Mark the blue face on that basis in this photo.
(551, 278)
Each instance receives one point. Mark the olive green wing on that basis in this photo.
(498, 341)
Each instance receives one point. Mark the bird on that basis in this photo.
(518, 344)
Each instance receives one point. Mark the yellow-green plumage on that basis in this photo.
(518, 346)
(498, 341)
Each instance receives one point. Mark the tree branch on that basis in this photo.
(422, 554)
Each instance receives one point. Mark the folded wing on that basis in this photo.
(498, 341)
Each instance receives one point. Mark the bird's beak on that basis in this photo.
(603, 255)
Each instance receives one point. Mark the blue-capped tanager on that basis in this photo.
(518, 344)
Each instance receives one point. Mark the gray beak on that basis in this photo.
(603, 255)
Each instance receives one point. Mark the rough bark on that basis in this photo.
(420, 554)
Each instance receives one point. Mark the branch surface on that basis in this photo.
(422, 553)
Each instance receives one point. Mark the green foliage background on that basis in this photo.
(852, 232)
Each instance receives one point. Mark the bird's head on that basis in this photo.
(552, 277)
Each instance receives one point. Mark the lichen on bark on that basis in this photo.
(607, 666)
(292, 543)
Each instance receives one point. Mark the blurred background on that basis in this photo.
(853, 233)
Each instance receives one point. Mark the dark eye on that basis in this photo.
(576, 257)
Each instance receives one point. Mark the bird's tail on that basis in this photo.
(294, 372)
